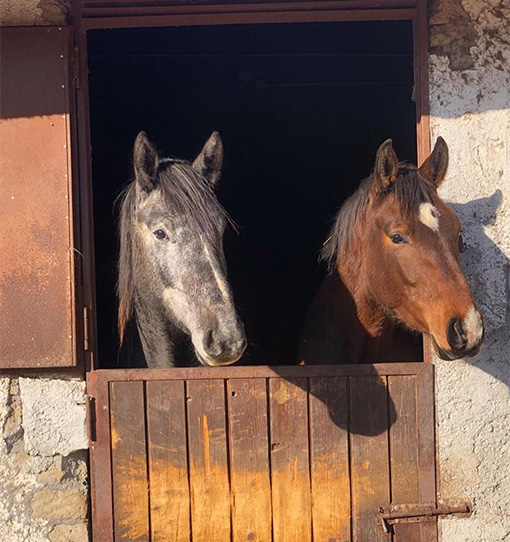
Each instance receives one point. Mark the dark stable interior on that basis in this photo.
(301, 109)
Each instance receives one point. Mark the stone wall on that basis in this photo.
(43, 459)
(470, 107)
(34, 12)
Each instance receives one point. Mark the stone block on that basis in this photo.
(53, 415)
(69, 533)
(59, 505)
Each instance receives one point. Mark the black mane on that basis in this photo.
(410, 190)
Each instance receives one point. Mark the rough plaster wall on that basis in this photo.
(43, 460)
(470, 108)
(34, 12)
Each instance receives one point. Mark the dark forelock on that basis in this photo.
(409, 189)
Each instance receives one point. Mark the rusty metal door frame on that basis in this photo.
(90, 14)
(100, 383)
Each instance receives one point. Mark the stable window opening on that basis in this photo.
(301, 109)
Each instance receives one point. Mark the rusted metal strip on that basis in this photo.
(407, 513)
(256, 17)
(125, 7)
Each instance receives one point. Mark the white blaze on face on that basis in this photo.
(218, 276)
(473, 326)
(429, 216)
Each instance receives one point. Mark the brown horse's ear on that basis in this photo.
(146, 161)
(386, 166)
(208, 163)
(435, 166)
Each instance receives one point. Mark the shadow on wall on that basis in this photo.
(372, 401)
(487, 257)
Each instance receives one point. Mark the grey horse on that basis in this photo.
(172, 281)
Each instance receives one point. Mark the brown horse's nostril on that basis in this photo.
(457, 338)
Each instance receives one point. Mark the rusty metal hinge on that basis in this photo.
(76, 67)
(91, 418)
(419, 513)
(86, 327)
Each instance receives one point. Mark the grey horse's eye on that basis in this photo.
(160, 234)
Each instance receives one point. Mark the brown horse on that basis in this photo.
(393, 257)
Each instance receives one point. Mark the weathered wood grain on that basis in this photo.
(129, 462)
(369, 456)
(290, 473)
(404, 452)
(209, 477)
(329, 442)
(168, 468)
(249, 460)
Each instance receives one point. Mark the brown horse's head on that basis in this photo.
(408, 243)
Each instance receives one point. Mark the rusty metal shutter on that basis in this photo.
(36, 240)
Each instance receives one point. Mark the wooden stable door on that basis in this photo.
(289, 454)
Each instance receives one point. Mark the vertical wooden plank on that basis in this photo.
(290, 469)
(249, 460)
(331, 512)
(426, 445)
(404, 452)
(100, 458)
(129, 462)
(369, 456)
(168, 466)
(208, 461)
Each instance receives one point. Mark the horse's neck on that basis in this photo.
(341, 330)
(156, 335)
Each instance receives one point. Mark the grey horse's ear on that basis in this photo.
(146, 161)
(208, 163)
(386, 166)
(435, 166)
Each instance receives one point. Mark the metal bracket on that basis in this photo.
(86, 324)
(419, 513)
(76, 67)
(91, 418)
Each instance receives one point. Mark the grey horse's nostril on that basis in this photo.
(456, 335)
(212, 347)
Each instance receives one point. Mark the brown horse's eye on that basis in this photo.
(398, 238)
(462, 245)
(160, 234)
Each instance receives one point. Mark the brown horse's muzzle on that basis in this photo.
(465, 336)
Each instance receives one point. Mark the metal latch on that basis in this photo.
(419, 513)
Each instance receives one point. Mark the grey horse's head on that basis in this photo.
(172, 270)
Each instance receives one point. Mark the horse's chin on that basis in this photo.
(450, 356)
(206, 361)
